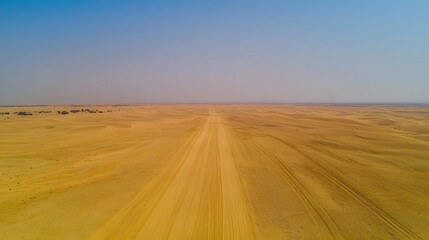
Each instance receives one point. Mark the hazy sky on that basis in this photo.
(94, 52)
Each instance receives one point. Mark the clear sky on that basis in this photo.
(96, 52)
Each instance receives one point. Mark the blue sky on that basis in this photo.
(95, 52)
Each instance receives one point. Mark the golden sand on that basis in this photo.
(215, 172)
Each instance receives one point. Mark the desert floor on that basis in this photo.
(215, 172)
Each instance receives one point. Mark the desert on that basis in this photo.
(207, 171)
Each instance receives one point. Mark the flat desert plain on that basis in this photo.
(215, 172)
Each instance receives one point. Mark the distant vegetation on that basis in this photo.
(87, 110)
(24, 113)
(63, 112)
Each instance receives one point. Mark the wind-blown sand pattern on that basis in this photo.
(215, 172)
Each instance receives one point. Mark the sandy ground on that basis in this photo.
(215, 172)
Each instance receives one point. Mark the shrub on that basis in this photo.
(24, 113)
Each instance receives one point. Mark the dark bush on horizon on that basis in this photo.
(62, 112)
(24, 113)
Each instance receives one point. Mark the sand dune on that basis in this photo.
(215, 172)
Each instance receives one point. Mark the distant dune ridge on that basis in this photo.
(214, 172)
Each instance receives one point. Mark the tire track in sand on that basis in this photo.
(387, 219)
(197, 195)
(327, 227)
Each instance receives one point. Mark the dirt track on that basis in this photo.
(197, 193)
(216, 172)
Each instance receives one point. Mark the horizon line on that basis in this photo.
(234, 103)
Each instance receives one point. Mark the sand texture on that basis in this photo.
(215, 172)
